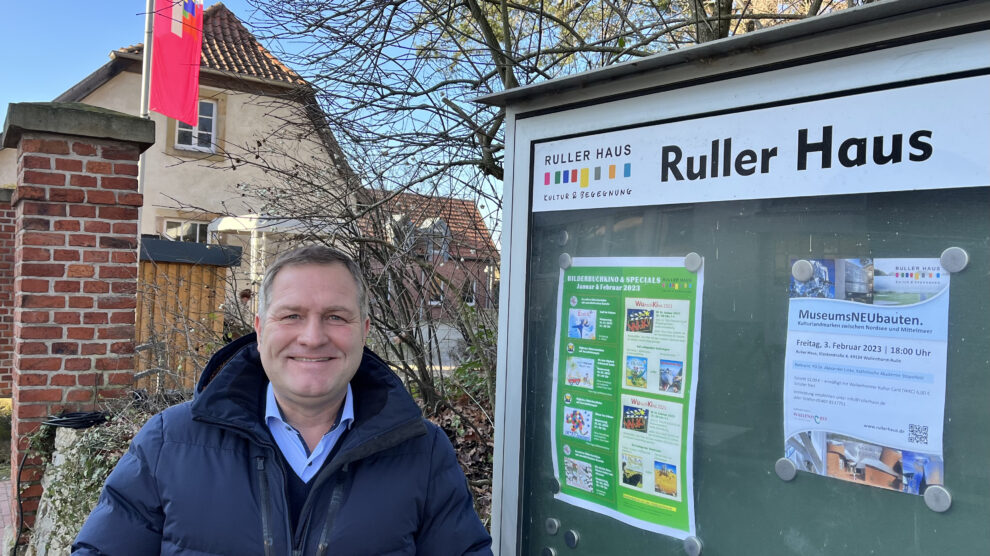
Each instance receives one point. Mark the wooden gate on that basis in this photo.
(181, 291)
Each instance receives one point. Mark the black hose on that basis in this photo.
(77, 420)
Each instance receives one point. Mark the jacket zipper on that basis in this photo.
(266, 528)
(336, 500)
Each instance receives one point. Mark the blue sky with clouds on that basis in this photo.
(50, 45)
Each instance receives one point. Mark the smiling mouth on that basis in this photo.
(310, 359)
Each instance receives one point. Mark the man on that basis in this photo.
(299, 442)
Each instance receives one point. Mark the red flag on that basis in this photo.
(176, 49)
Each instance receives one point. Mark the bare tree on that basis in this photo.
(396, 78)
(394, 81)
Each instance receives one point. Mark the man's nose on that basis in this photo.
(313, 332)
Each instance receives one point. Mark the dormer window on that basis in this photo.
(203, 136)
(437, 239)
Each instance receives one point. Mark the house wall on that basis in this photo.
(196, 186)
(8, 167)
(183, 184)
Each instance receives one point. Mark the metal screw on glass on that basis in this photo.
(692, 545)
(552, 525)
(554, 486)
(954, 259)
(563, 238)
(937, 498)
(692, 262)
(547, 551)
(802, 271)
(564, 261)
(571, 538)
(785, 469)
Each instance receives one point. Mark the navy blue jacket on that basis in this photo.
(204, 477)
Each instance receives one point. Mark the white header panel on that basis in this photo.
(926, 136)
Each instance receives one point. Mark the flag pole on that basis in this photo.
(146, 81)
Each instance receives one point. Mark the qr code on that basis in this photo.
(918, 434)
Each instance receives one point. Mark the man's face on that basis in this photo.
(311, 338)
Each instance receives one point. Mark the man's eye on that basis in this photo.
(293, 316)
(335, 318)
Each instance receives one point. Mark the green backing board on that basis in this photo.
(742, 507)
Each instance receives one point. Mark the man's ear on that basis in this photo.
(257, 326)
(367, 326)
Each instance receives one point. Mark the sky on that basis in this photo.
(50, 45)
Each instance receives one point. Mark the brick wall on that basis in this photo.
(6, 293)
(73, 271)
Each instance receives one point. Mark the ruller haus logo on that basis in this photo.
(604, 163)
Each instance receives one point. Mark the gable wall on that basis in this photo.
(174, 185)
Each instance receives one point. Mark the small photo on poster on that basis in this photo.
(578, 474)
(821, 284)
(577, 423)
(581, 323)
(907, 281)
(882, 466)
(635, 371)
(580, 372)
(632, 470)
(854, 280)
(635, 418)
(665, 478)
(805, 449)
(863, 462)
(671, 376)
(639, 320)
(920, 471)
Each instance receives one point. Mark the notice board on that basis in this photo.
(857, 185)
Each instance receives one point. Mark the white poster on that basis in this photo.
(864, 391)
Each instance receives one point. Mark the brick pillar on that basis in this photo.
(75, 265)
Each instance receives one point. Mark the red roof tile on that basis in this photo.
(229, 47)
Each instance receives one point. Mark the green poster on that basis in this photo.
(623, 401)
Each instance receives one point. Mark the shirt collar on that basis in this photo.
(345, 416)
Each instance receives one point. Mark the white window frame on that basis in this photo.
(200, 225)
(181, 126)
(473, 294)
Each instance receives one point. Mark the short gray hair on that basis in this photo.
(312, 254)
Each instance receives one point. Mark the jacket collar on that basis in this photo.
(232, 386)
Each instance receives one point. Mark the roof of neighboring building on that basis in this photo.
(470, 236)
(229, 47)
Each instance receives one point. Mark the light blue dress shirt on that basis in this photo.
(291, 443)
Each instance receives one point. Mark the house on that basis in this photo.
(258, 121)
(451, 237)
(435, 264)
(250, 106)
